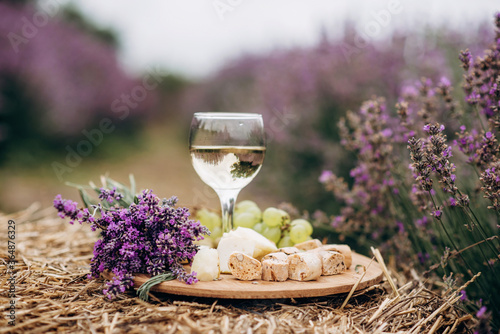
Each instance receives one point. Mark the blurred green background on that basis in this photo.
(70, 111)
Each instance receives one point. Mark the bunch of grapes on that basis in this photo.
(213, 222)
(275, 224)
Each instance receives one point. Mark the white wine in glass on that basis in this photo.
(227, 151)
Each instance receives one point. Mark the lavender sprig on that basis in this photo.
(150, 236)
(461, 224)
(491, 185)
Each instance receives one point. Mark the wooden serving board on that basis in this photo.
(231, 288)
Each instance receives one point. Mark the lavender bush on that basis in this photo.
(56, 80)
(137, 235)
(302, 93)
(426, 197)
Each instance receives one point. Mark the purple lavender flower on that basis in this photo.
(420, 166)
(110, 195)
(47, 64)
(469, 143)
(488, 150)
(401, 227)
(481, 313)
(463, 295)
(437, 213)
(117, 286)
(490, 179)
(325, 176)
(69, 209)
(423, 257)
(473, 98)
(437, 157)
(466, 59)
(422, 222)
(150, 237)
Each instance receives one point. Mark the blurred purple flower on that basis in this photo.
(401, 227)
(73, 77)
(422, 222)
(325, 176)
(466, 59)
(437, 213)
(481, 313)
(463, 295)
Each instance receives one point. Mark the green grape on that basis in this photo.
(216, 218)
(243, 206)
(304, 223)
(254, 210)
(245, 219)
(275, 217)
(216, 232)
(206, 218)
(259, 227)
(285, 242)
(298, 233)
(272, 233)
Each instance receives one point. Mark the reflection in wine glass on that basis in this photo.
(227, 152)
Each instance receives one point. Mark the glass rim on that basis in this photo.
(216, 114)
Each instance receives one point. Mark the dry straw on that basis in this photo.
(54, 296)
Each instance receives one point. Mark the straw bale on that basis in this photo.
(54, 296)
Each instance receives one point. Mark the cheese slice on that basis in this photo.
(289, 250)
(277, 256)
(228, 245)
(263, 245)
(244, 267)
(342, 249)
(274, 270)
(206, 264)
(332, 263)
(304, 266)
(309, 244)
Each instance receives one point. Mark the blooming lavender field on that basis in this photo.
(414, 170)
(55, 81)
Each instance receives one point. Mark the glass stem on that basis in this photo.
(227, 200)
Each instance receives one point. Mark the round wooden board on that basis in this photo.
(231, 288)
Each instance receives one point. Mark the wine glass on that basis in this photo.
(227, 151)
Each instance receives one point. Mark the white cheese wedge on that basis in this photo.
(289, 250)
(228, 245)
(304, 266)
(277, 256)
(274, 270)
(206, 264)
(342, 249)
(332, 263)
(309, 244)
(263, 245)
(244, 267)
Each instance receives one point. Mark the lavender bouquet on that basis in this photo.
(430, 193)
(139, 234)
